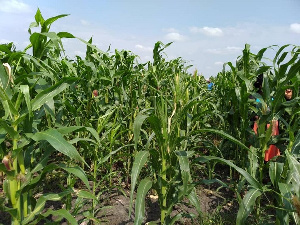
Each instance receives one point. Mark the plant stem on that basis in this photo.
(163, 190)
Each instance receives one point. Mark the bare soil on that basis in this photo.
(115, 208)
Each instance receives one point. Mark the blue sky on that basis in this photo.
(206, 33)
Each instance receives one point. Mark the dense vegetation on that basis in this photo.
(86, 126)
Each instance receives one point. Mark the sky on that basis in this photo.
(205, 33)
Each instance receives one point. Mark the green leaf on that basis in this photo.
(194, 199)
(105, 158)
(70, 129)
(10, 110)
(184, 169)
(4, 80)
(139, 161)
(86, 194)
(38, 17)
(143, 188)
(296, 145)
(275, 171)
(51, 92)
(65, 35)
(285, 191)
(25, 90)
(10, 130)
(140, 118)
(61, 213)
(40, 204)
(58, 142)
(224, 135)
(46, 25)
(253, 161)
(78, 172)
(294, 172)
(251, 180)
(246, 206)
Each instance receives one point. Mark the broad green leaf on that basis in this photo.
(70, 129)
(62, 213)
(105, 158)
(4, 81)
(51, 92)
(47, 23)
(194, 199)
(40, 204)
(65, 35)
(251, 180)
(294, 172)
(143, 188)
(58, 142)
(139, 161)
(156, 125)
(175, 218)
(78, 172)
(184, 169)
(225, 135)
(253, 161)
(286, 192)
(10, 130)
(25, 90)
(296, 145)
(275, 171)
(139, 120)
(85, 194)
(246, 206)
(38, 17)
(10, 110)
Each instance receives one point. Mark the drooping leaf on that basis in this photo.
(143, 188)
(78, 172)
(25, 90)
(61, 213)
(58, 142)
(246, 206)
(51, 92)
(251, 180)
(275, 171)
(139, 120)
(139, 161)
(225, 135)
(86, 194)
(40, 204)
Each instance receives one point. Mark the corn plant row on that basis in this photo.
(108, 122)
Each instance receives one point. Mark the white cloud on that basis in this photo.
(143, 48)
(233, 49)
(219, 63)
(79, 53)
(170, 30)
(84, 22)
(209, 31)
(4, 41)
(175, 37)
(295, 27)
(195, 29)
(224, 51)
(14, 6)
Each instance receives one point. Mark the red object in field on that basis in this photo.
(95, 93)
(272, 150)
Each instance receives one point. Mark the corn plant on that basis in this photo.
(287, 76)
(25, 108)
(167, 157)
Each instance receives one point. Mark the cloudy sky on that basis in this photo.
(206, 33)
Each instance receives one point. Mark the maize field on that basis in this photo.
(76, 132)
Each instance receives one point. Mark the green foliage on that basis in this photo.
(105, 120)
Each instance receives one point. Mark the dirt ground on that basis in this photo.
(115, 208)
